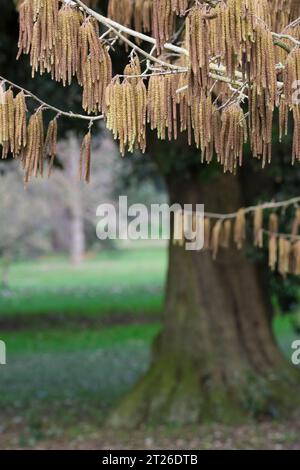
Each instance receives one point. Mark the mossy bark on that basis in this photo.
(216, 358)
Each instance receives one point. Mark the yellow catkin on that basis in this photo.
(7, 122)
(67, 59)
(296, 223)
(162, 105)
(296, 258)
(273, 248)
(284, 256)
(240, 229)
(94, 89)
(34, 152)
(126, 110)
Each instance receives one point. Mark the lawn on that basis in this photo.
(120, 281)
(62, 379)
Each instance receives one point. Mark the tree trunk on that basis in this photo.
(216, 358)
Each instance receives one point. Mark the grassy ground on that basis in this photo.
(126, 281)
(62, 378)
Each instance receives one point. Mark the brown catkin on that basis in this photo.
(258, 227)
(85, 157)
(38, 32)
(233, 135)
(273, 224)
(197, 41)
(273, 252)
(296, 223)
(216, 238)
(284, 256)
(226, 234)
(207, 229)
(50, 146)
(296, 258)
(240, 229)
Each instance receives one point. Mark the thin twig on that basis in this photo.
(45, 105)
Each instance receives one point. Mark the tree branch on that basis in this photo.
(45, 105)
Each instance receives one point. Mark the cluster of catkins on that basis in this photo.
(230, 57)
(62, 42)
(27, 140)
(284, 250)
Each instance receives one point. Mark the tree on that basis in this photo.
(208, 74)
(77, 202)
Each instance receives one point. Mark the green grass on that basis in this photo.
(68, 376)
(59, 379)
(126, 281)
(77, 339)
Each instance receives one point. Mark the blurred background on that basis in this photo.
(78, 315)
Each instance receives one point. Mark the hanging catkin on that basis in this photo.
(240, 229)
(232, 137)
(34, 151)
(20, 123)
(38, 30)
(272, 252)
(163, 20)
(273, 223)
(126, 104)
(121, 13)
(162, 105)
(296, 223)
(50, 146)
(207, 228)
(93, 98)
(226, 234)
(284, 256)
(7, 122)
(216, 238)
(296, 258)
(67, 44)
(85, 157)
(197, 40)
(258, 227)
(204, 119)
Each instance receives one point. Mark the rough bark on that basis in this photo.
(216, 358)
